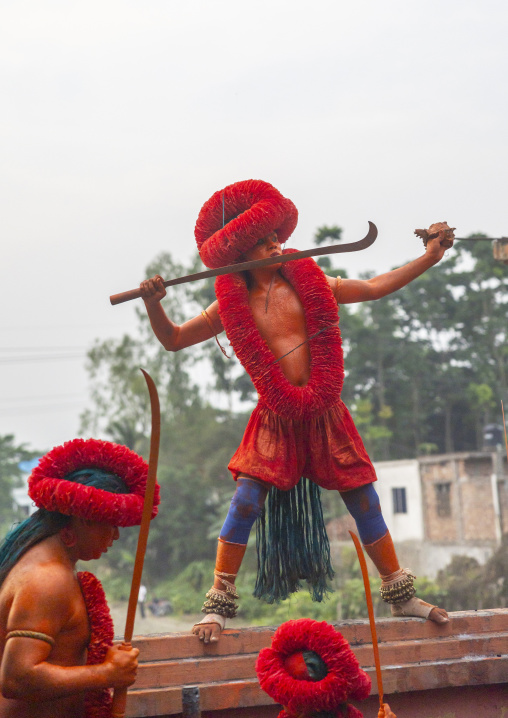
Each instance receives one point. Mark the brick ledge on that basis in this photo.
(416, 655)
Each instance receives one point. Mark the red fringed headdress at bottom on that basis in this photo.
(236, 217)
(50, 489)
(284, 673)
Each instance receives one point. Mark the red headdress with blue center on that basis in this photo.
(50, 488)
(311, 670)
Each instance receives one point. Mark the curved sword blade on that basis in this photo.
(370, 610)
(120, 694)
(369, 239)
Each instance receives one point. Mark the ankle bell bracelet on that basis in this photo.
(400, 589)
(221, 603)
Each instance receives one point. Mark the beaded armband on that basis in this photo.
(399, 589)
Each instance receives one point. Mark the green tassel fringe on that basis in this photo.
(294, 547)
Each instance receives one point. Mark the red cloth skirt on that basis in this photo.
(327, 450)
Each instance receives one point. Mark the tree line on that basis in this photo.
(426, 369)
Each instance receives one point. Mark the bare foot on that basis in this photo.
(420, 609)
(438, 615)
(209, 629)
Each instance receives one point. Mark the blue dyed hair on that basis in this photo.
(42, 524)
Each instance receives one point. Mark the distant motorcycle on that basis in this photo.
(160, 607)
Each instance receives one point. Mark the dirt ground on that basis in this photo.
(156, 624)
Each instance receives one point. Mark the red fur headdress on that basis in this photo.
(50, 489)
(236, 217)
(282, 673)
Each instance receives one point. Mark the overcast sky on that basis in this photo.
(119, 119)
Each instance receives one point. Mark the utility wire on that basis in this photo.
(41, 409)
(43, 349)
(23, 358)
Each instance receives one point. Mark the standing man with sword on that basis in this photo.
(282, 321)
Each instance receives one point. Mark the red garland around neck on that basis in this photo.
(327, 365)
(98, 702)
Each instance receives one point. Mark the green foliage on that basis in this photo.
(300, 604)
(11, 454)
(496, 575)
(120, 403)
(464, 583)
(186, 591)
(435, 352)
(471, 586)
(197, 439)
(426, 448)
(327, 234)
(425, 368)
(352, 599)
(117, 586)
(372, 427)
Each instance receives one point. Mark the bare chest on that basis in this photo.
(279, 314)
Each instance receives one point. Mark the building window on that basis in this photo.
(443, 501)
(399, 501)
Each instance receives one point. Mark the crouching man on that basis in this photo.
(312, 672)
(57, 657)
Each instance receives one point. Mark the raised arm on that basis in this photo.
(349, 291)
(32, 669)
(174, 337)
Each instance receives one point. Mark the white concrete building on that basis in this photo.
(400, 493)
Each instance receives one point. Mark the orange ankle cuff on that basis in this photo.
(229, 557)
(382, 553)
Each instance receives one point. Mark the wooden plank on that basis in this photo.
(236, 667)
(453, 648)
(193, 671)
(256, 712)
(245, 640)
(410, 629)
(250, 640)
(478, 670)
(416, 655)
(402, 678)
(214, 696)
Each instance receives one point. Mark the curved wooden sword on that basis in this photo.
(369, 239)
(370, 610)
(120, 694)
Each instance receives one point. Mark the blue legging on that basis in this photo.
(249, 497)
(363, 505)
(246, 506)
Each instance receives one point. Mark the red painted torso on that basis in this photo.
(280, 318)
